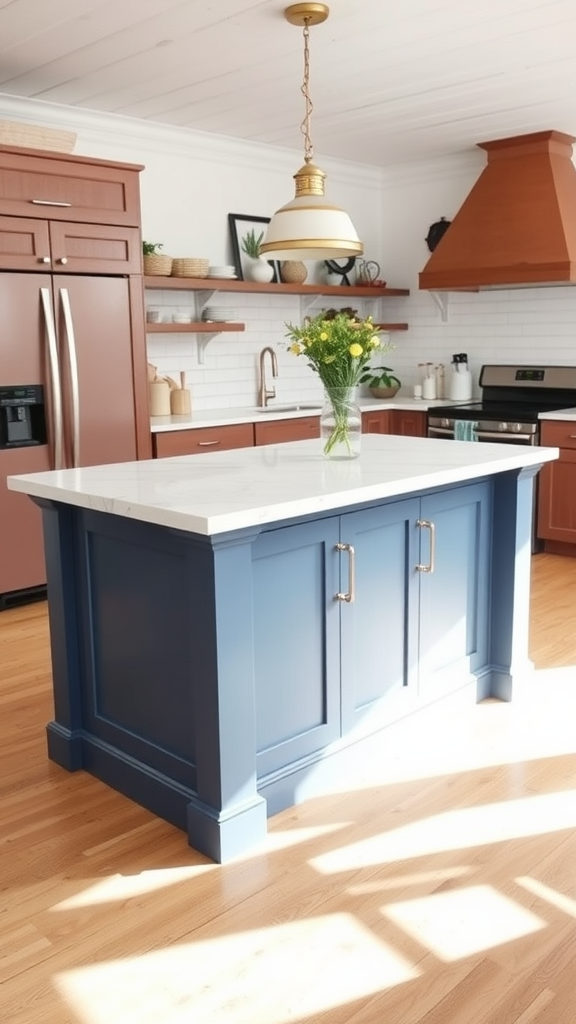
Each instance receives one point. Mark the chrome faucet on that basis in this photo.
(265, 393)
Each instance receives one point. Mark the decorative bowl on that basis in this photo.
(385, 392)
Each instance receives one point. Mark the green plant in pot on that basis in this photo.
(155, 263)
(381, 381)
(251, 244)
(258, 268)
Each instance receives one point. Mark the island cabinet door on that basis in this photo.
(453, 634)
(296, 642)
(380, 621)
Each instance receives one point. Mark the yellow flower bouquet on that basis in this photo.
(337, 349)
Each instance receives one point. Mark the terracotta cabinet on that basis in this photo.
(46, 246)
(278, 431)
(54, 186)
(202, 439)
(410, 424)
(377, 422)
(557, 489)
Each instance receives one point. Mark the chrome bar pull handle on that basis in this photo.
(73, 368)
(427, 524)
(49, 202)
(54, 372)
(351, 595)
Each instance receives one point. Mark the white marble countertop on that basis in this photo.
(252, 414)
(559, 414)
(216, 492)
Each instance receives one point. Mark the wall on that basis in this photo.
(192, 180)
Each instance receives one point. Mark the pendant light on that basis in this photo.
(309, 227)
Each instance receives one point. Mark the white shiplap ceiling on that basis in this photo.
(390, 82)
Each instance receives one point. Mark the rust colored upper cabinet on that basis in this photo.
(56, 186)
(45, 246)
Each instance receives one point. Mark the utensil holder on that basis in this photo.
(159, 393)
(180, 403)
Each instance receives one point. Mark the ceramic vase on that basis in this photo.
(293, 271)
(259, 270)
(341, 424)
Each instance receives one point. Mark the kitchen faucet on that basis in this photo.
(263, 392)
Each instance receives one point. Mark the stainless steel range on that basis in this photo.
(513, 397)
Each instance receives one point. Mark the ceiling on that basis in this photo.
(390, 82)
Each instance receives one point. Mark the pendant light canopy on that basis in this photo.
(309, 227)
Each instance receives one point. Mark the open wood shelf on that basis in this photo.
(229, 285)
(196, 327)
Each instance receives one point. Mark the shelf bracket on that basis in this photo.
(202, 340)
(203, 299)
(441, 300)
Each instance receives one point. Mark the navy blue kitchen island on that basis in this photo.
(232, 633)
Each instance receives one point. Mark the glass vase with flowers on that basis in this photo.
(338, 346)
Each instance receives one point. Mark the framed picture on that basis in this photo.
(241, 224)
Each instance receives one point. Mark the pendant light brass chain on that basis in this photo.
(305, 90)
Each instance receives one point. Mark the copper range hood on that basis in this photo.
(517, 226)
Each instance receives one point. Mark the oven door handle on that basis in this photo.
(493, 435)
(498, 435)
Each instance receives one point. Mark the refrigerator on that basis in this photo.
(66, 398)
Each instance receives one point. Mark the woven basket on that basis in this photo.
(193, 267)
(33, 136)
(157, 265)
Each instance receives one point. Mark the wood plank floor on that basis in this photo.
(439, 890)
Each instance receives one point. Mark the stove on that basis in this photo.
(513, 397)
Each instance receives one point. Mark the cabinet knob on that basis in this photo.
(63, 260)
(43, 259)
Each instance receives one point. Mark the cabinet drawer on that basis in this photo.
(68, 188)
(204, 439)
(559, 434)
(279, 431)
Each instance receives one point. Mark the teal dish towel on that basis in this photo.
(465, 430)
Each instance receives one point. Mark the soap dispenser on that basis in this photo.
(460, 379)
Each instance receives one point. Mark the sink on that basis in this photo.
(291, 408)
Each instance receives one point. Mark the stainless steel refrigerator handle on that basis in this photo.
(432, 563)
(73, 364)
(351, 595)
(54, 378)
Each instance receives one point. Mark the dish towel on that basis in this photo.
(465, 430)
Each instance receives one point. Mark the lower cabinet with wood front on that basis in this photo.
(557, 489)
(202, 439)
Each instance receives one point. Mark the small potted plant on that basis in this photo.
(256, 266)
(381, 381)
(155, 263)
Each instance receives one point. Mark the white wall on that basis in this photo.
(192, 180)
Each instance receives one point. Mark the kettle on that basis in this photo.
(460, 388)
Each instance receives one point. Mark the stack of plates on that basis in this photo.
(228, 272)
(219, 314)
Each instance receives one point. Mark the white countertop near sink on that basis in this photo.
(225, 417)
(559, 414)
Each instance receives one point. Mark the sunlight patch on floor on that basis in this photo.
(460, 829)
(275, 975)
(462, 922)
(552, 896)
(124, 887)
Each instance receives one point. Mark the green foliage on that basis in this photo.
(338, 349)
(251, 244)
(150, 248)
(380, 377)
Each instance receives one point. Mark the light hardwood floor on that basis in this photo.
(439, 890)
